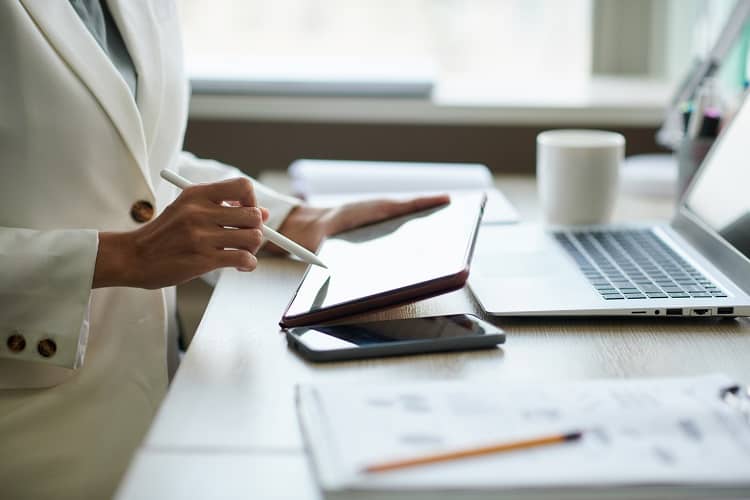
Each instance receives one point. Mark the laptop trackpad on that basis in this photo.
(522, 269)
(520, 250)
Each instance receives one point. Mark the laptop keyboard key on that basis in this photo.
(635, 264)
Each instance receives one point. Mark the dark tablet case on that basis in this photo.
(446, 231)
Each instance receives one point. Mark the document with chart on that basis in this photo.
(640, 438)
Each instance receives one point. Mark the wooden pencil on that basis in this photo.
(474, 452)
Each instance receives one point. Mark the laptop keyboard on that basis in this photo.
(635, 264)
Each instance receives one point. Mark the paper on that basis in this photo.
(642, 432)
(333, 182)
(314, 177)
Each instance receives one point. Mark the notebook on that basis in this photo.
(333, 182)
(407, 258)
(647, 438)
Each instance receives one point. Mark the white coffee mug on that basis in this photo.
(577, 174)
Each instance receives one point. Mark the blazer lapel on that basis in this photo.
(69, 37)
(139, 30)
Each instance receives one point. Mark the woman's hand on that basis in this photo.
(194, 235)
(308, 225)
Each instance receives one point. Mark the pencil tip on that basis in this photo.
(573, 436)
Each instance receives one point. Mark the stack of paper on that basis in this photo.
(332, 182)
(659, 438)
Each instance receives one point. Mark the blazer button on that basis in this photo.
(46, 348)
(16, 343)
(142, 211)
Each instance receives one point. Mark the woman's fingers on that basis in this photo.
(240, 259)
(241, 217)
(368, 212)
(425, 202)
(387, 209)
(243, 239)
(239, 189)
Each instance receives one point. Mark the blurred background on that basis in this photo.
(431, 80)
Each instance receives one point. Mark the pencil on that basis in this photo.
(474, 452)
(271, 235)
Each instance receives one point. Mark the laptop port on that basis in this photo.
(725, 310)
(674, 312)
(700, 312)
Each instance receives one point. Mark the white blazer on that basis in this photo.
(82, 372)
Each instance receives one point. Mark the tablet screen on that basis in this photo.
(379, 261)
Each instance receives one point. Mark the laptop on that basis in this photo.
(696, 265)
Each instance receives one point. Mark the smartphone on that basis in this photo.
(393, 337)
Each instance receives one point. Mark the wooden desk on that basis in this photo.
(228, 429)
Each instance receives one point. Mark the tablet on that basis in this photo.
(399, 260)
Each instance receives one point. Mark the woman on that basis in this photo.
(93, 104)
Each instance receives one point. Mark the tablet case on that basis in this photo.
(464, 210)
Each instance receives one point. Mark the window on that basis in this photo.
(489, 61)
(410, 44)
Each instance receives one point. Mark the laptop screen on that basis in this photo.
(720, 195)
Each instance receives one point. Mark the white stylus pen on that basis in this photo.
(271, 235)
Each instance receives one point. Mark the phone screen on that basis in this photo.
(380, 333)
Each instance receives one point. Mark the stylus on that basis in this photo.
(271, 235)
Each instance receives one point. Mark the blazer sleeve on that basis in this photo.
(200, 170)
(45, 286)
